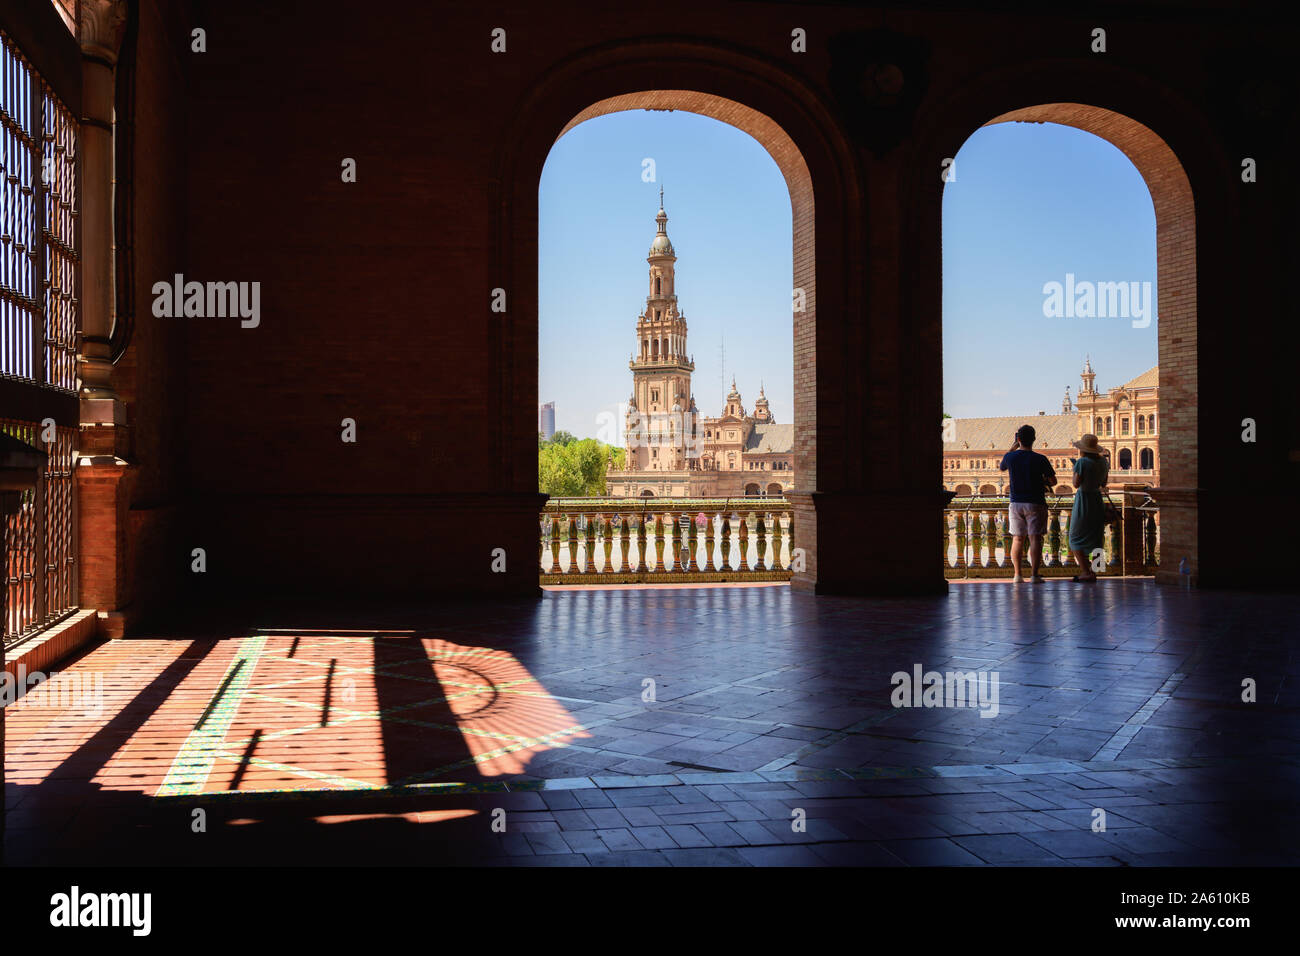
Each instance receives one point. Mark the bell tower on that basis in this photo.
(1089, 378)
(661, 367)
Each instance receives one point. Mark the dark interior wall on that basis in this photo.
(151, 373)
(375, 295)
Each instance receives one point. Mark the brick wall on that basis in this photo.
(375, 295)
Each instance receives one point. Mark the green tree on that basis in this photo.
(557, 472)
(569, 466)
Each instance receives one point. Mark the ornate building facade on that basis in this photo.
(1125, 420)
(673, 450)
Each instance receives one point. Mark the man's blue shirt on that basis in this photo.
(1031, 473)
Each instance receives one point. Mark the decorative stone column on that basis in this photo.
(103, 447)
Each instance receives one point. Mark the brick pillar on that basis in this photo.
(1179, 533)
(848, 554)
(104, 443)
(103, 502)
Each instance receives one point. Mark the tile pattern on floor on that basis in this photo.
(1124, 697)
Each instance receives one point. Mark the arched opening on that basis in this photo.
(1175, 291)
(1147, 459)
(1063, 489)
(1125, 459)
(988, 490)
(751, 490)
(774, 488)
(963, 491)
(791, 120)
(647, 493)
(669, 345)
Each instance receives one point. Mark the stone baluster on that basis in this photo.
(640, 544)
(663, 542)
(961, 540)
(607, 544)
(976, 540)
(1113, 558)
(744, 543)
(589, 562)
(572, 532)
(624, 540)
(991, 538)
(708, 545)
(692, 538)
(1053, 557)
(946, 563)
(726, 543)
(555, 544)
(1005, 518)
(579, 563)
(778, 541)
(789, 537)
(760, 528)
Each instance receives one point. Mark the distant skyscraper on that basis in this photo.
(546, 420)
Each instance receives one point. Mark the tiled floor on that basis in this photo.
(742, 726)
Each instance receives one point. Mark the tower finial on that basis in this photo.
(661, 195)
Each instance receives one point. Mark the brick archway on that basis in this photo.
(792, 123)
(1172, 146)
(1171, 195)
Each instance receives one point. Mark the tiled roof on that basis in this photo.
(771, 439)
(1148, 379)
(996, 434)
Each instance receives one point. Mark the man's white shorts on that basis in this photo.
(1027, 518)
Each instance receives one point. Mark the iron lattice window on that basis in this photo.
(39, 322)
(38, 198)
(40, 553)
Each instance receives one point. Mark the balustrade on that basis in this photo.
(973, 526)
(705, 539)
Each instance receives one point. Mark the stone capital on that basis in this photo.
(102, 25)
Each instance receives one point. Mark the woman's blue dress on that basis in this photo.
(1088, 516)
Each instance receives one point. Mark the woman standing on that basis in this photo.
(1088, 516)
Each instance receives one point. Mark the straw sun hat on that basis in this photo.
(1088, 444)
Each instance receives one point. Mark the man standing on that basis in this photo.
(1031, 475)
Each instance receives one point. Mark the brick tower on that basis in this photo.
(661, 369)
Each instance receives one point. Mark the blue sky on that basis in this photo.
(1029, 204)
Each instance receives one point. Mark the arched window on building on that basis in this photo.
(1125, 459)
(774, 488)
(1108, 428)
(963, 489)
(1142, 424)
(1147, 459)
(1153, 423)
(658, 285)
(1097, 429)
(1123, 425)
(751, 490)
(988, 490)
